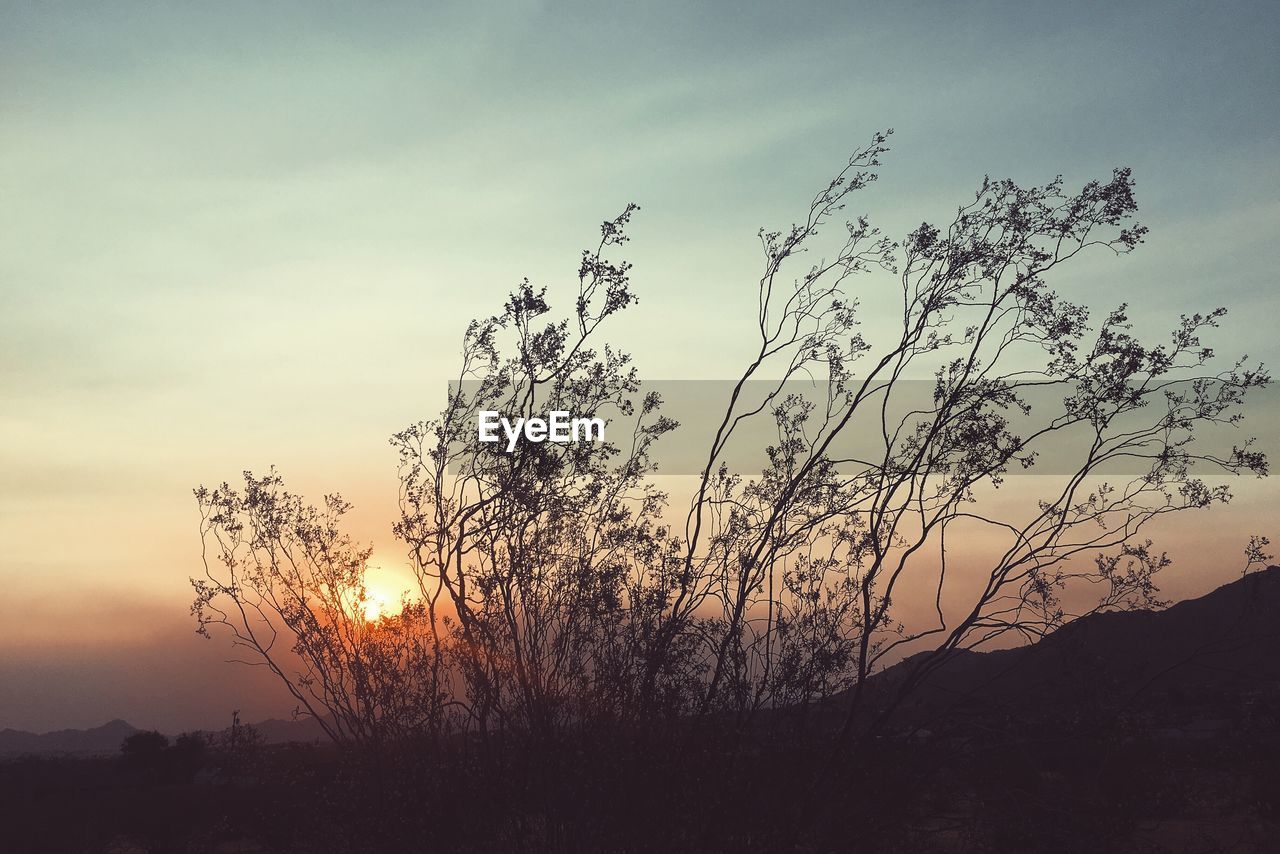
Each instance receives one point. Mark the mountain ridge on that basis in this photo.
(107, 738)
(1211, 650)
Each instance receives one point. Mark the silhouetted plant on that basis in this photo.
(553, 593)
(144, 752)
(186, 756)
(289, 586)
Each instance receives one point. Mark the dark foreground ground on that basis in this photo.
(1098, 786)
(1125, 732)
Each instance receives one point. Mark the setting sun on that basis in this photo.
(374, 608)
(379, 601)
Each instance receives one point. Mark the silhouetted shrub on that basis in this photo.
(143, 753)
(185, 757)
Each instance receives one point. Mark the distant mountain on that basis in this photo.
(103, 739)
(107, 738)
(1220, 650)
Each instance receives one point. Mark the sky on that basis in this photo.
(242, 235)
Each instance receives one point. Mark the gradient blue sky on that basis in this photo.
(233, 235)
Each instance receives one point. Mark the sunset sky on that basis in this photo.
(233, 237)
